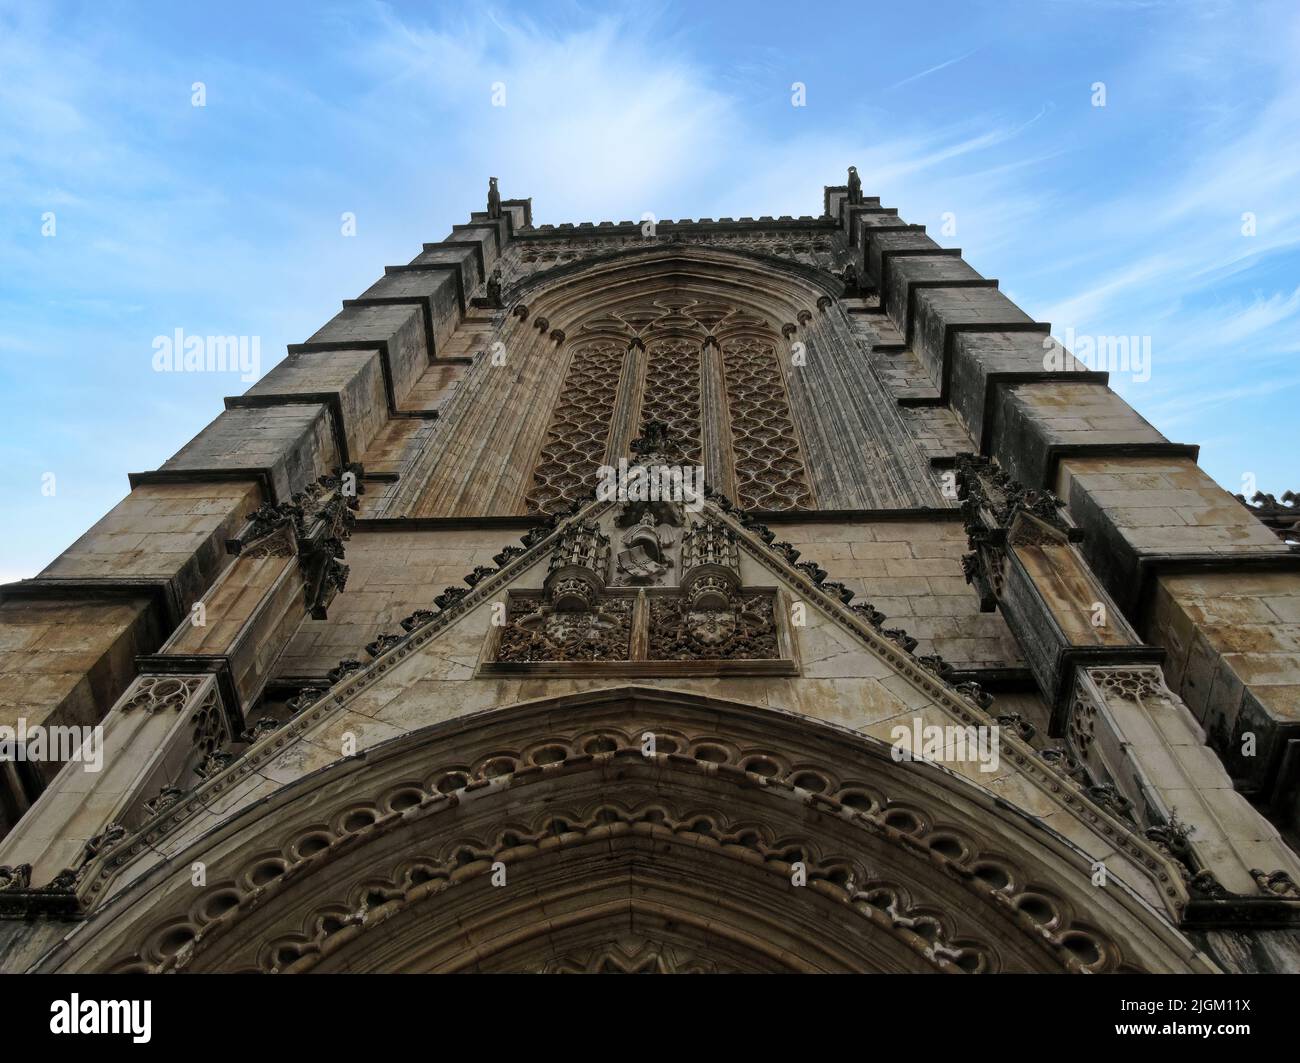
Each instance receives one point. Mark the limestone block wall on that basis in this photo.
(397, 331)
(911, 571)
(391, 575)
(1137, 509)
(286, 446)
(1173, 548)
(908, 569)
(841, 683)
(171, 534)
(931, 360)
(430, 287)
(70, 637)
(64, 662)
(349, 383)
(1234, 657)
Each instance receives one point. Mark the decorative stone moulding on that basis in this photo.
(315, 523)
(935, 874)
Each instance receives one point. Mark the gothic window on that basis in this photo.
(579, 431)
(675, 335)
(672, 393)
(769, 468)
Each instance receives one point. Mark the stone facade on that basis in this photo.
(947, 661)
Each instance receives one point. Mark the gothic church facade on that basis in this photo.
(948, 661)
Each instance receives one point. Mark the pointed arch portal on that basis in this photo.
(627, 829)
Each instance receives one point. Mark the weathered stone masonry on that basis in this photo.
(890, 459)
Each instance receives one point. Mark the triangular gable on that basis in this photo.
(832, 662)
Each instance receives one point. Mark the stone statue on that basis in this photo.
(494, 199)
(855, 185)
(645, 557)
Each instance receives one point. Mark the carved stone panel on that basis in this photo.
(655, 631)
(537, 631)
(741, 630)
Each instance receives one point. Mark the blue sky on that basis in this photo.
(225, 219)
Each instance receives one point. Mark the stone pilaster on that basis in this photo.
(190, 698)
(1127, 728)
(153, 740)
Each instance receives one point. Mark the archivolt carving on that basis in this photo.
(927, 929)
(632, 956)
(882, 843)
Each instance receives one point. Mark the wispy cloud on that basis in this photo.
(1118, 220)
(931, 70)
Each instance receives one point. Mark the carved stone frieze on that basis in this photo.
(816, 249)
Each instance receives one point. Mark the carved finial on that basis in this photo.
(494, 199)
(855, 186)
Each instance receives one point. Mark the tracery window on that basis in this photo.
(579, 431)
(769, 467)
(675, 344)
(672, 394)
